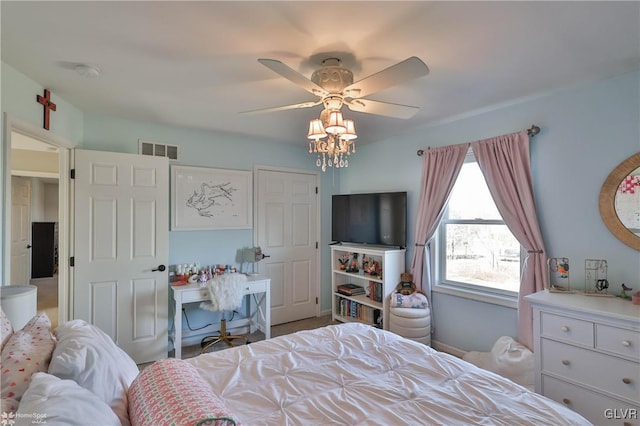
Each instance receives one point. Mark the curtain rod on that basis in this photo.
(531, 131)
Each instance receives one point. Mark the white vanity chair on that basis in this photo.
(226, 293)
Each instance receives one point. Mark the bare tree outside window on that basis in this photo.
(476, 247)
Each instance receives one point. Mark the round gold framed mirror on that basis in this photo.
(620, 201)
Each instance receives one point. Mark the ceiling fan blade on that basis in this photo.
(293, 76)
(382, 108)
(283, 108)
(409, 69)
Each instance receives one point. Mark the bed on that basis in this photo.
(355, 374)
(347, 374)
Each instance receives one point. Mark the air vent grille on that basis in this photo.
(158, 149)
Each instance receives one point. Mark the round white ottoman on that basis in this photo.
(412, 323)
(19, 303)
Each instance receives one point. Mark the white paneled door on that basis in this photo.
(120, 242)
(287, 231)
(20, 230)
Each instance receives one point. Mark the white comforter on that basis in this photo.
(354, 374)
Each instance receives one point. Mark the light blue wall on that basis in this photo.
(18, 99)
(586, 131)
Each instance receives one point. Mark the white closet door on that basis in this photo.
(287, 231)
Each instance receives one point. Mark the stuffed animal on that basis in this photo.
(406, 285)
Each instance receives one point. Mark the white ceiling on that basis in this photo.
(194, 64)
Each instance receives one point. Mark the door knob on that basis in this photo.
(160, 268)
(28, 245)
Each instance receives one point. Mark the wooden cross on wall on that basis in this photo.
(48, 106)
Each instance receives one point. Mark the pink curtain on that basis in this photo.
(505, 163)
(440, 168)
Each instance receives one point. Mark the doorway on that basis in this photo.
(34, 226)
(41, 159)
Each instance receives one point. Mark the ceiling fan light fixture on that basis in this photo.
(335, 123)
(331, 137)
(316, 130)
(350, 130)
(341, 132)
(332, 103)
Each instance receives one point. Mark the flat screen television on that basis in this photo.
(375, 218)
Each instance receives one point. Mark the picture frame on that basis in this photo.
(205, 198)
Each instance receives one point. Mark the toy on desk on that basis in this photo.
(623, 294)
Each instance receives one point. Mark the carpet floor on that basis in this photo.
(48, 297)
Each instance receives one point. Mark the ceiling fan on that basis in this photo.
(334, 86)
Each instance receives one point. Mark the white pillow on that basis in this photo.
(88, 356)
(52, 401)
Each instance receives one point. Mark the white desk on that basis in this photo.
(259, 318)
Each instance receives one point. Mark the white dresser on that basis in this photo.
(587, 352)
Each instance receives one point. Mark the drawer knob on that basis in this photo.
(626, 343)
(247, 288)
(566, 401)
(564, 328)
(566, 362)
(626, 381)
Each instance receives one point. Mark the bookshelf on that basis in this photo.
(377, 269)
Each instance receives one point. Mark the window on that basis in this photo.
(477, 252)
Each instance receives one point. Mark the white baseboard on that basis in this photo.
(452, 350)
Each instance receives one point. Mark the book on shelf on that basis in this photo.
(350, 289)
(358, 311)
(375, 291)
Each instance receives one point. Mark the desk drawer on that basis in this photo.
(195, 295)
(618, 340)
(255, 286)
(613, 375)
(568, 329)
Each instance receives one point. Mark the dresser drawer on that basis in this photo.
(618, 341)
(613, 375)
(567, 329)
(598, 409)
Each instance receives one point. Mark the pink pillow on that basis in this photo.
(6, 329)
(27, 351)
(171, 391)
